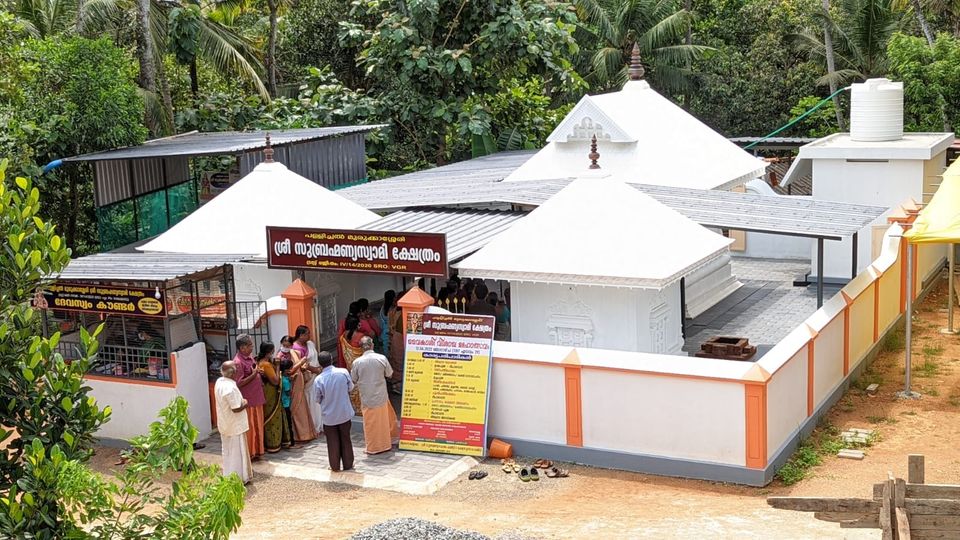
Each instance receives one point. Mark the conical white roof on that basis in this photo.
(235, 221)
(642, 137)
(598, 232)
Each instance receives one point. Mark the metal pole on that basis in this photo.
(950, 260)
(683, 308)
(908, 327)
(819, 273)
(853, 259)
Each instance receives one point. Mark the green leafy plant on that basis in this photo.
(201, 503)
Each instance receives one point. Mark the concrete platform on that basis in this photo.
(764, 310)
(414, 473)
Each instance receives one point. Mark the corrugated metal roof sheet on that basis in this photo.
(116, 266)
(219, 143)
(794, 216)
(474, 182)
(466, 230)
(477, 182)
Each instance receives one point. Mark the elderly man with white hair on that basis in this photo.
(370, 372)
(232, 424)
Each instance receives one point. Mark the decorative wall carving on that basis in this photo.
(586, 129)
(570, 321)
(659, 322)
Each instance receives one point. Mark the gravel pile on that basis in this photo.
(415, 529)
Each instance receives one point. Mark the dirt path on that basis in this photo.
(601, 504)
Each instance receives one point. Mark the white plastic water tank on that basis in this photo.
(876, 110)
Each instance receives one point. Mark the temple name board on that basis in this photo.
(375, 252)
(110, 299)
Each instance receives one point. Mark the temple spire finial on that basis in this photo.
(593, 155)
(268, 151)
(636, 67)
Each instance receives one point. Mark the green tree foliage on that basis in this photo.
(77, 96)
(931, 80)
(44, 402)
(744, 87)
(819, 123)
(425, 60)
(861, 30)
(310, 36)
(658, 27)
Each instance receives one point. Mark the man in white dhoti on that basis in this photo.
(232, 424)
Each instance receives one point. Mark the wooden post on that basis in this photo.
(915, 469)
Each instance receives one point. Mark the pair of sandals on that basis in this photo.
(551, 471)
(477, 475)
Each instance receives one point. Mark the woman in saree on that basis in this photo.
(383, 319)
(395, 352)
(277, 433)
(350, 350)
(303, 428)
(307, 349)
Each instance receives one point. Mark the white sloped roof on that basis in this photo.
(644, 138)
(598, 232)
(236, 220)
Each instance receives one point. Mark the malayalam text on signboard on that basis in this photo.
(104, 299)
(446, 383)
(378, 252)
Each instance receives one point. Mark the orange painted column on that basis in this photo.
(299, 296)
(415, 300)
(573, 396)
(755, 397)
(755, 416)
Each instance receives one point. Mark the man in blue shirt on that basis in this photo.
(332, 391)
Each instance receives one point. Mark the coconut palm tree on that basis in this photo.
(659, 27)
(860, 34)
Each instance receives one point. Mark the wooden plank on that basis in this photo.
(903, 524)
(915, 468)
(850, 520)
(933, 507)
(924, 491)
(886, 526)
(824, 504)
(933, 535)
(900, 492)
(945, 523)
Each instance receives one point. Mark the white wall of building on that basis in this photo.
(643, 414)
(135, 406)
(598, 317)
(192, 384)
(539, 415)
(254, 281)
(884, 183)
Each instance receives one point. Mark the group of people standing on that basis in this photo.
(278, 400)
(273, 387)
(384, 328)
(477, 299)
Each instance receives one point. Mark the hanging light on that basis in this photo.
(156, 292)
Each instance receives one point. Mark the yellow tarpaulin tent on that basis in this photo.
(937, 223)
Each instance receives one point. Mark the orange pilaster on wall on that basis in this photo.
(299, 296)
(415, 300)
(573, 397)
(755, 405)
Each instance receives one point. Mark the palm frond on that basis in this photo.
(230, 53)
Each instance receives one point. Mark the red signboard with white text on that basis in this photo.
(375, 252)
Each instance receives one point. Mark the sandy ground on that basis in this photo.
(600, 503)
